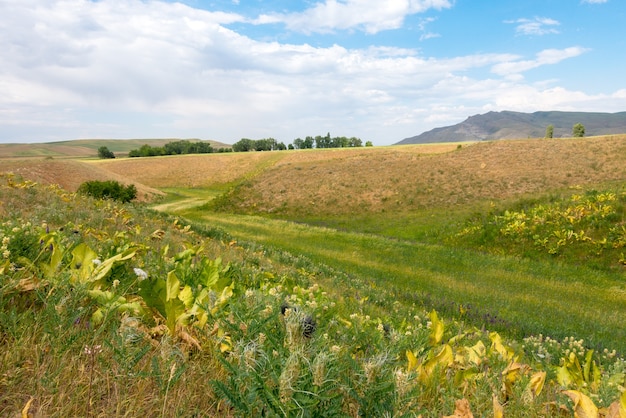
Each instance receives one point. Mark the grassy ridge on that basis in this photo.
(518, 295)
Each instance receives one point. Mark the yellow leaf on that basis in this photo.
(511, 374)
(536, 383)
(618, 408)
(497, 346)
(476, 354)
(26, 410)
(436, 329)
(445, 358)
(498, 410)
(172, 287)
(583, 406)
(462, 410)
(226, 344)
(412, 361)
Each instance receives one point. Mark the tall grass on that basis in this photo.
(185, 321)
(519, 296)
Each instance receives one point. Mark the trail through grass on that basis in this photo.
(519, 295)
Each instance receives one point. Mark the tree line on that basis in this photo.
(309, 142)
(176, 148)
(243, 145)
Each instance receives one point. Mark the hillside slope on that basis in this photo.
(84, 148)
(516, 125)
(403, 179)
(69, 174)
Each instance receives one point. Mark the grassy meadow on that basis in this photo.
(438, 280)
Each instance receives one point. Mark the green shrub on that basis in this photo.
(108, 190)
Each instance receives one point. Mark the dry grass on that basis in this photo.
(69, 174)
(344, 181)
(406, 178)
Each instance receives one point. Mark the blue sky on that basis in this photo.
(229, 69)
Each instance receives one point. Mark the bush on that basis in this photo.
(108, 190)
(104, 152)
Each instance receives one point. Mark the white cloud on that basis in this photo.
(594, 1)
(371, 16)
(545, 57)
(535, 26)
(133, 68)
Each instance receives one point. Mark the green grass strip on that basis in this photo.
(521, 295)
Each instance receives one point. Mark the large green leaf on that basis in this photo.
(82, 264)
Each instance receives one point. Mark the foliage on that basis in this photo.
(549, 131)
(270, 144)
(104, 152)
(137, 312)
(578, 130)
(583, 228)
(267, 144)
(174, 148)
(109, 189)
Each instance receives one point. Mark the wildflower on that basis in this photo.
(141, 275)
(93, 350)
(116, 283)
(97, 262)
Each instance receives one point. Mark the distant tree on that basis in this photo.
(550, 131)
(243, 145)
(369, 144)
(578, 130)
(298, 143)
(103, 152)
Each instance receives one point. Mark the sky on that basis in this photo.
(224, 70)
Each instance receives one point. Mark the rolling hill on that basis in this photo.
(516, 125)
(84, 148)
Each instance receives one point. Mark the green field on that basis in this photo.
(261, 294)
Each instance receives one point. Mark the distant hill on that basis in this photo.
(85, 147)
(517, 125)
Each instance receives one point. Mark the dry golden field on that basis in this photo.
(69, 174)
(408, 178)
(342, 181)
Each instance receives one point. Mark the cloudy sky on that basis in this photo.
(229, 69)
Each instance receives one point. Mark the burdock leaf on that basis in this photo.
(82, 262)
(412, 361)
(172, 286)
(104, 267)
(436, 329)
(583, 405)
(537, 380)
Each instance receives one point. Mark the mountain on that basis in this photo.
(517, 125)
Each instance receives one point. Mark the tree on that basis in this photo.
(578, 130)
(369, 144)
(550, 131)
(103, 152)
